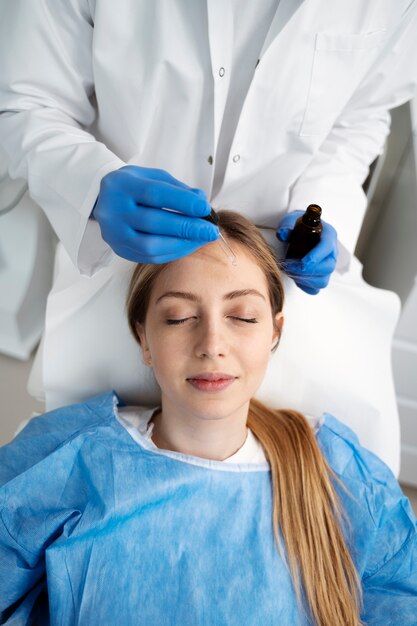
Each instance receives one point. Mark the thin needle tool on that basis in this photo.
(214, 219)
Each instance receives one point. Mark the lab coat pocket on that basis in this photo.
(340, 62)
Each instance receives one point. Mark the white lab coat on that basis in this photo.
(87, 86)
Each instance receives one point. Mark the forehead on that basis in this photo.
(209, 270)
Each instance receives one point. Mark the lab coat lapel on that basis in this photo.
(283, 14)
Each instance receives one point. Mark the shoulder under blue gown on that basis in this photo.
(98, 529)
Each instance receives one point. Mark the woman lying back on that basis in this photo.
(210, 508)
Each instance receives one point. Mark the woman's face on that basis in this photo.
(207, 317)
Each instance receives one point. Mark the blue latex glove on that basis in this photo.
(130, 210)
(313, 271)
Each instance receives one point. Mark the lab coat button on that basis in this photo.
(210, 160)
(236, 158)
(221, 72)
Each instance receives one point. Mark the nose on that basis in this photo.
(211, 341)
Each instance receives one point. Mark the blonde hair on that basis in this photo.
(307, 511)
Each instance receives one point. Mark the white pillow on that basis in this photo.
(334, 355)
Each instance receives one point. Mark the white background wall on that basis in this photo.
(388, 250)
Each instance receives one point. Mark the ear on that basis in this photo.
(146, 353)
(278, 325)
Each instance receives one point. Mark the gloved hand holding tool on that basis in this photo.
(312, 272)
(131, 210)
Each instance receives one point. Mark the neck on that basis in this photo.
(216, 439)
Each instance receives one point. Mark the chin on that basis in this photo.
(214, 408)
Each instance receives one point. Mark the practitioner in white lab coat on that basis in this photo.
(259, 107)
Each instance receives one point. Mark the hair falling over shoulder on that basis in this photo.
(308, 514)
(309, 521)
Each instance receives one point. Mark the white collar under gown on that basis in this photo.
(98, 526)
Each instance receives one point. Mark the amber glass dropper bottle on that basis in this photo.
(306, 233)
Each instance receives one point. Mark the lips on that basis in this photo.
(212, 376)
(211, 382)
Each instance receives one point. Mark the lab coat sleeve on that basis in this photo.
(47, 102)
(335, 176)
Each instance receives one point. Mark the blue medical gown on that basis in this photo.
(107, 531)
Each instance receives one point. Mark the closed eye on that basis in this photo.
(251, 320)
(178, 321)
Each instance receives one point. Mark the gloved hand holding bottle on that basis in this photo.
(131, 212)
(312, 272)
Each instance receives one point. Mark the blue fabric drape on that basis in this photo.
(108, 531)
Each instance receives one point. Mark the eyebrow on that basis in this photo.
(185, 295)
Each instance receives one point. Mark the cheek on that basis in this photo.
(162, 348)
(256, 348)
